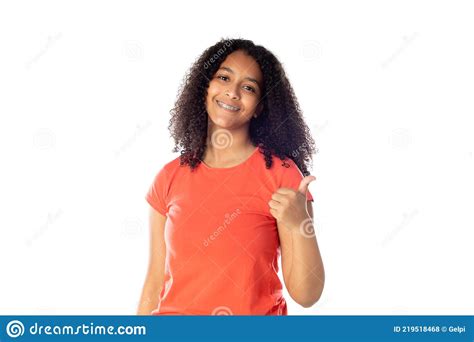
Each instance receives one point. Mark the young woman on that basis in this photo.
(237, 196)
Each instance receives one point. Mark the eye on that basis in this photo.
(224, 78)
(250, 88)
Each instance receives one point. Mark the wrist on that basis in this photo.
(305, 228)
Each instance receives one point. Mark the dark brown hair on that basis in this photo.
(279, 129)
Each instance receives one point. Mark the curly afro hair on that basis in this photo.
(279, 129)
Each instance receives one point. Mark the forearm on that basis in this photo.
(306, 276)
(149, 299)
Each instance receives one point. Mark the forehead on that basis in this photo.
(243, 64)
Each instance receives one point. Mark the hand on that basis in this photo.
(289, 207)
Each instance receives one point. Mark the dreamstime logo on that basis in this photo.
(219, 53)
(401, 48)
(227, 221)
(139, 131)
(221, 138)
(132, 227)
(222, 311)
(15, 329)
(307, 228)
(44, 138)
(133, 50)
(310, 50)
(51, 42)
(400, 138)
(318, 128)
(407, 218)
(300, 149)
(49, 221)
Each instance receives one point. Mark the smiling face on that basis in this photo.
(234, 92)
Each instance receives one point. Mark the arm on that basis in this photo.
(302, 266)
(156, 264)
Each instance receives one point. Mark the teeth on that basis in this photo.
(223, 105)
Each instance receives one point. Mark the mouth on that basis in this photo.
(227, 106)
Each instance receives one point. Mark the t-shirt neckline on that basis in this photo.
(207, 167)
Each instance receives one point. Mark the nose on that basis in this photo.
(232, 93)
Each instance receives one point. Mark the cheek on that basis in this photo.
(212, 90)
(250, 103)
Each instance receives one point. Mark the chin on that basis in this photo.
(227, 124)
(219, 119)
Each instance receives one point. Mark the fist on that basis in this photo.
(289, 207)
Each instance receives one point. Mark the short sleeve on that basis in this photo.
(292, 177)
(156, 195)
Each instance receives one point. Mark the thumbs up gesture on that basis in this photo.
(288, 206)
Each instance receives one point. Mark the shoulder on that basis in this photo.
(288, 174)
(284, 172)
(285, 167)
(167, 171)
(171, 165)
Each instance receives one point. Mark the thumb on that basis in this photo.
(303, 187)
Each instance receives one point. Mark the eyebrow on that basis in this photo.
(247, 78)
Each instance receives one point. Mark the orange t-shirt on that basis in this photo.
(222, 243)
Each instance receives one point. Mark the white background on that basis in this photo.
(386, 88)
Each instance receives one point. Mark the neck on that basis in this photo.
(225, 145)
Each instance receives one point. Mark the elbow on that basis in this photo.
(308, 292)
(309, 301)
(308, 298)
